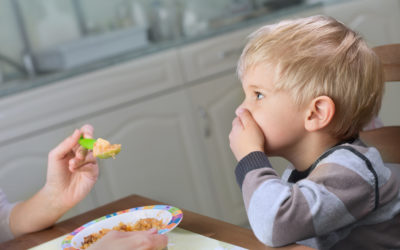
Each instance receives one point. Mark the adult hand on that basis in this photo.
(139, 240)
(246, 136)
(71, 174)
(72, 170)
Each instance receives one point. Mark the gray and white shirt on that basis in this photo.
(348, 199)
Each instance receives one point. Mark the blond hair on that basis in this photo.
(317, 56)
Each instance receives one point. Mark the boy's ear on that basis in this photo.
(319, 113)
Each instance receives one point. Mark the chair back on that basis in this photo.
(389, 55)
(387, 139)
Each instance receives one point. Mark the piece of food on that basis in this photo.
(103, 149)
(140, 225)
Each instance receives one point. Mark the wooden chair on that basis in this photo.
(387, 139)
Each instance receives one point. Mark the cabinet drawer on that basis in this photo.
(72, 99)
(214, 55)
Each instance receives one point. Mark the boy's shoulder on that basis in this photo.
(348, 162)
(353, 156)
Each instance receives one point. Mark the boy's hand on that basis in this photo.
(245, 136)
(72, 171)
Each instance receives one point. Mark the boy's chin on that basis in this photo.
(272, 152)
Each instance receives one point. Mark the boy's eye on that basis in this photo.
(259, 96)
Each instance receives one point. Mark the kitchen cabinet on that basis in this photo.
(214, 104)
(217, 55)
(209, 71)
(67, 101)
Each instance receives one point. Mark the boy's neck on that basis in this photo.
(312, 147)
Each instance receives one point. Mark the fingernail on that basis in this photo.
(239, 111)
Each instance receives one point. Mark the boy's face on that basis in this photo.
(274, 111)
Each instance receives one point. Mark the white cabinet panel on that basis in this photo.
(213, 55)
(215, 102)
(57, 103)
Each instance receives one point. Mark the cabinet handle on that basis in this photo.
(230, 53)
(205, 120)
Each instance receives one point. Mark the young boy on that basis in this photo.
(310, 86)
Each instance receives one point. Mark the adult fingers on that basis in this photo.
(87, 131)
(76, 163)
(80, 153)
(159, 241)
(152, 230)
(65, 146)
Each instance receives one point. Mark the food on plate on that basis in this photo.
(140, 225)
(104, 149)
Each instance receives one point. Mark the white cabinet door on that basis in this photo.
(159, 157)
(215, 102)
(23, 167)
(213, 56)
(66, 101)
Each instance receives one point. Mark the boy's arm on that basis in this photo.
(276, 213)
(281, 213)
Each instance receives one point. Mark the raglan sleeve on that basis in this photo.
(282, 213)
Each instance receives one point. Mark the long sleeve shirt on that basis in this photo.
(5, 211)
(347, 199)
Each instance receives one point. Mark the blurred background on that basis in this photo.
(157, 76)
(35, 34)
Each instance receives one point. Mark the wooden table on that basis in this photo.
(193, 222)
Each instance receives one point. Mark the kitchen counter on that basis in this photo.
(218, 28)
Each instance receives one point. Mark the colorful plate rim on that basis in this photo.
(176, 213)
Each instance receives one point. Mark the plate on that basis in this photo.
(169, 215)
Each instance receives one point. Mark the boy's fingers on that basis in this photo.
(245, 117)
(237, 122)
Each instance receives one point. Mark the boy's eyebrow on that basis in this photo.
(258, 86)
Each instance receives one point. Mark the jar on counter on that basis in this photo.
(165, 20)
